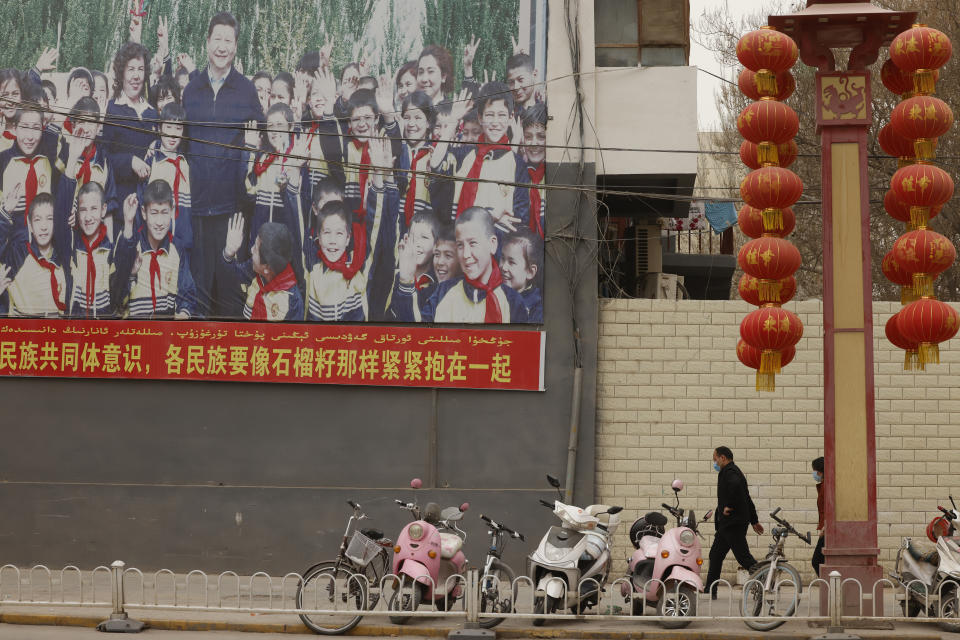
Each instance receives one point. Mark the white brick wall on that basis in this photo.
(671, 389)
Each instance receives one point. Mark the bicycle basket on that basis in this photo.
(362, 549)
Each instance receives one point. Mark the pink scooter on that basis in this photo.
(427, 554)
(665, 568)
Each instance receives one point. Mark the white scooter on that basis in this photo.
(572, 563)
(931, 581)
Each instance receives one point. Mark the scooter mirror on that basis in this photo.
(613, 510)
(677, 484)
(416, 483)
(553, 481)
(707, 515)
(464, 506)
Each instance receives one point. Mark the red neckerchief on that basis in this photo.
(364, 149)
(359, 254)
(284, 280)
(468, 193)
(155, 273)
(8, 135)
(176, 185)
(52, 268)
(91, 285)
(313, 130)
(411, 198)
(259, 168)
(30, 185)
(536, 177)
(424, 281)
(83, 174)
(68, 125)
(492, 315)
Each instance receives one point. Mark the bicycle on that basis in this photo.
(761, 595)
(362, 561)
(495, 573)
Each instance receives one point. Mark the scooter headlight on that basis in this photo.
(687, 537)
(415, 531)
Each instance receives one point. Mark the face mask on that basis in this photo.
(716, 467)
(817, 477)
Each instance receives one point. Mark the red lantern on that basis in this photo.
(771, 189)
(926, 322)
(895, 144)
(895, 79)
(752, 357)
(769, 260)
(911, 358)
(751, 222)
(768, 121)
(749, 288)
(771, 329)
(767, 49)
(924, 254)
(747, 81)
(750, 154)
(897, 275)
(899, 210)
(920, 48)
(921, 187)
(923, 119)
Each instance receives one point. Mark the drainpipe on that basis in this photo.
(574, 435)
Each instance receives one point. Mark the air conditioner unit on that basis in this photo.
(648, 257)
(663, 286)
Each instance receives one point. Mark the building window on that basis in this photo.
(651, 33)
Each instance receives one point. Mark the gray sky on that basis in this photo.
(700, 57)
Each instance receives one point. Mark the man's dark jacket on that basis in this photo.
(732, 492)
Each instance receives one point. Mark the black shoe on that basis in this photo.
(756, 567)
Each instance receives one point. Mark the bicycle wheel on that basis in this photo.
(492, 599)
(781, 601)
(409, 601)
(326, 586)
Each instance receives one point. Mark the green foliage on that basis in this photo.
(452, 24)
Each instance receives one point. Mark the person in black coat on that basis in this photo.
(735, 512)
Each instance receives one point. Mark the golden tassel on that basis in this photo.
(929, 353)
(769, 291)
(905, 161)
(925, 150)
(770, 361)
(766, 381)
(923, 82)
(911, 361)
(907, 295)
(919, 217)
(772, 220)
(923, 285)
(766, 84)
(767, 155)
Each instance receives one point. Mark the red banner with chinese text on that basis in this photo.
(255, 352)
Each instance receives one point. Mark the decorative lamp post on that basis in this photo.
(843, 111)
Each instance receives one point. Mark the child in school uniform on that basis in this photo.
(445, 263)
(324, 136)
(38, 282)
(266, 282)
(493, 162)
(25, 164)
(479, 295)
(534, 123)
(420, 192)
(94, 280)
(11, 94)
(167, 163)
(415, 273)
(341, 258)
(521, 263)
(82, 159)
(159, 283)
(269, 179)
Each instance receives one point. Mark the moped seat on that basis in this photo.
(373, 534)
(450, 543)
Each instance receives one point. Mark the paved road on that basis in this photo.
(19, 632)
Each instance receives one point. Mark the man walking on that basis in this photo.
(735, 511)
(217, 96)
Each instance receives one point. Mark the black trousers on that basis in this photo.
(728, 539)
(818, 558)
(209, 236)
